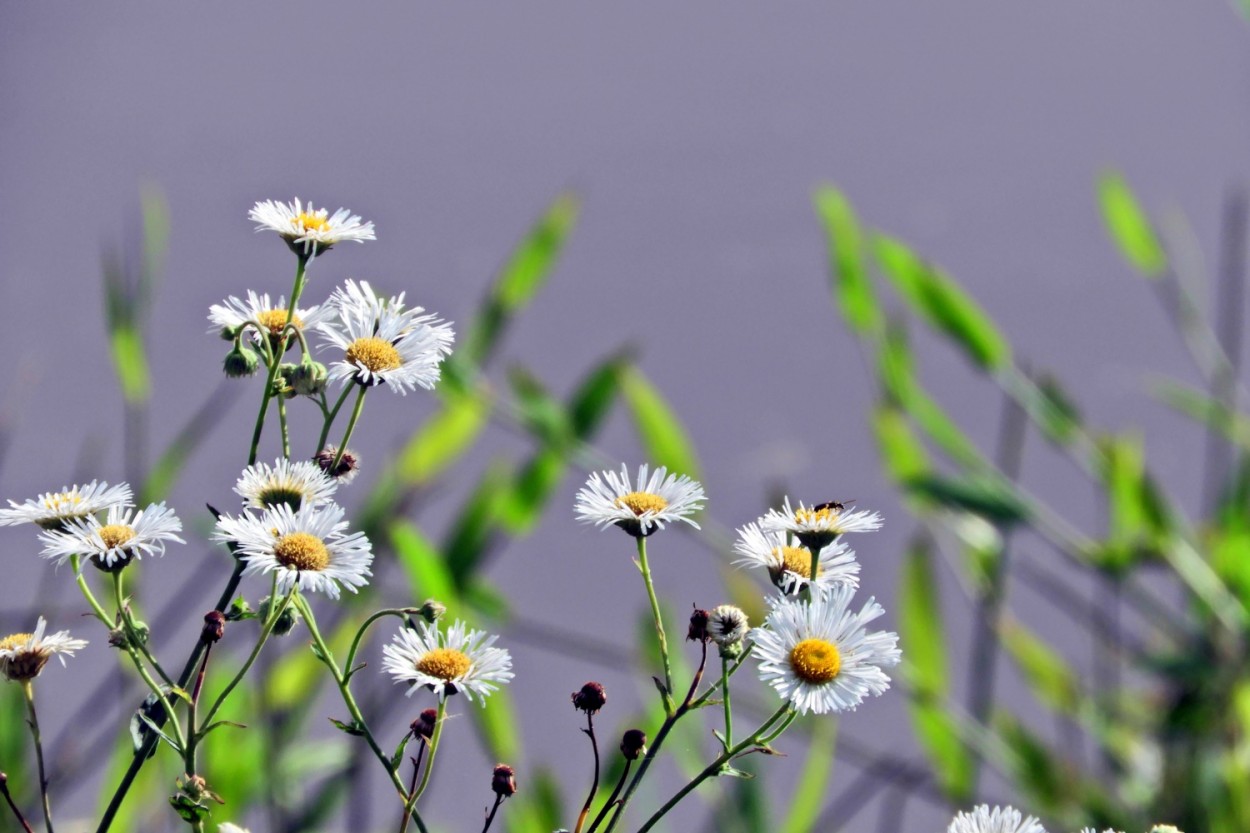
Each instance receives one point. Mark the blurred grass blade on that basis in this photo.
(595, 395)
(664, 440)
(477, 525)
(1205, 409)
(1034, 767)
(904, 455)
(521, 507)
(989, 497)
(164, 473)
(443, 439)
(428, 575)
(1049, 676)
(940, 301)
(130, 362)
(848, 272)
(809, 793)
(1129, 226)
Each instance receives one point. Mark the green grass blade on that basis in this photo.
(663, 437)
(848, 272)
(1129, 227)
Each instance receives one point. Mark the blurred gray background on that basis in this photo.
(694, 134)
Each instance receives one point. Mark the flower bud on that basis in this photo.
(697, 632)
(633, 744)
(282, 382)
(308, 378)
(503, 781)
(423, 726)
(239, 610)
(346, 469)
(590, 698)
(287, 620)
(432, 611)
(214, 627)
(240, 362)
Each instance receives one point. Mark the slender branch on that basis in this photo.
(491, 816)
(594, 784)
(28, 690)
(274, 615)
(276, 359)
(645, 569)
(406, 815)
(351, 426)
(607, 805)
(4, 788)
(429, 764)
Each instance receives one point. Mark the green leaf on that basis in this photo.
(130, 362)
(849, 274)
(540, 413)
(428, 575)
(1204, 409)
(1049, 676)
(902, 452)
(989, 497)
(534, 259)
(940, 301)
(1054, 412)
(521, 508)
(663, 438)
(1129, 226)
(1034, 767)
(477, 525)
(920, 622)
(592, 401)
(808, 797)
(443, 439)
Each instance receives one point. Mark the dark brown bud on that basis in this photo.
(633, 744)
(214, 627)
(590, 699)
(345, 470)
(503, 782)
(698, 626)
(423, 726)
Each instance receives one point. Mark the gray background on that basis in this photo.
(694, 133)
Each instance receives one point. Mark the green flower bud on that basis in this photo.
(308, 378)
(241, 362)
(286, 622)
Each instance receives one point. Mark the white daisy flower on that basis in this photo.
(289, 482)
(23, 655)
(459, 660)
(227, 827)
(609, 499)
(309, 230)
(727, 625)
(819, 525)
(234, 312)
(52, 510)
(819, 656)
(308, 548)
(790, 566)
(125, 535)
(997, 820)
(383, 342)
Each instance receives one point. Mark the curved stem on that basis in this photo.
(327, 659)
(607, 805)
(332, 415)
(132, 632)
(28, 689)
(594, 784)
(645, 569)
(75, 562)
(493, 810)
(429, 764)
(351, 426)
(8, 797)
(276, 359)
(400, 612)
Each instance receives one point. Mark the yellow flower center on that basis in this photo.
(116, 535)
(274, 320)
(445, 663)
(61, 501)
(9, 643)
(302, 551)
(373, 354)
(311, 222)
(825, 516)
(796, 560)
(815, 661)
(640, 502)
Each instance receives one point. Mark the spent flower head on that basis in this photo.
(640, 507)
(447, 662)
(23, 655)
(727, 625)
(789, 564)
(984, 819)
(309, 230)
(52, 510)
(819, 655)
(382, 342)
(309, 548)
(126, 534)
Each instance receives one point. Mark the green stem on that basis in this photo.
(100, 614)
(327, 659)
(729, 717)
(717, 765)
(645, 569)
(401, 612)
(351, 426)
(429, 764)
(132, 633)
(131, 647)
(286, 434)
(332, 415)
(28, 689)
(276, 360)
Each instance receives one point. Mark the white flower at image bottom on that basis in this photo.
(289, 482)
(819, 655)
(790, 566)
(308, 548)
(309, 229)
(23, 655)
(52, 510)
(641, 507)
(983, 819)
(125, 535)
(451, 662)
(382, 342)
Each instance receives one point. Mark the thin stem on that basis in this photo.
(4, 788)
(406, 815)
(645, 569)
(192, 708)
(351, 426)
(620, 783)
(132, 633)
(286, 433)
(276, 359)
(75, 562)
(265, 631)
(429, 764)
(327, 659)
(132, 641)
(332, 415)
(729, 716)
(28, 689)
(491, 816)
(717, 765)
(401, 612)
(594, 784)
